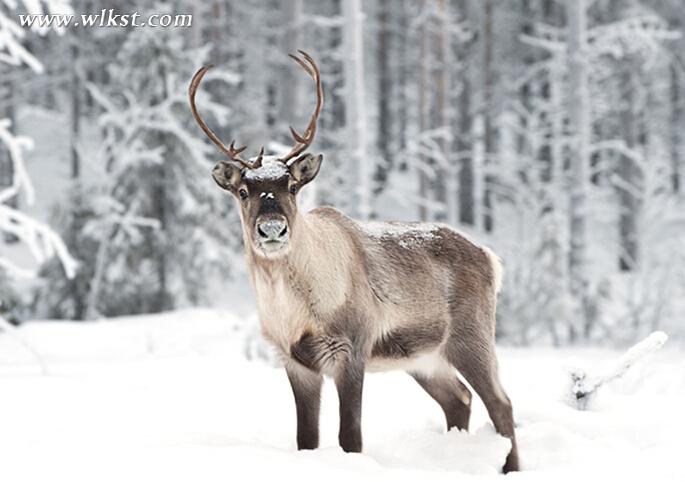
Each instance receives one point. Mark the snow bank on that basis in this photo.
(171, 397)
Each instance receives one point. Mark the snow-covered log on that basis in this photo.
(584, 386)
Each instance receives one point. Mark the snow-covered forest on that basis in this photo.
(551, 131)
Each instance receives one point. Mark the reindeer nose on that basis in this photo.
(272, 230)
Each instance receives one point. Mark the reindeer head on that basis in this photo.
(266, 188)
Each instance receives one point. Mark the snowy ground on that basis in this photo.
(172, 397)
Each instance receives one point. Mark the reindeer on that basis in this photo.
(338, 297)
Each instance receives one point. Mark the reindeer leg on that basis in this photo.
(452, 395)
(349, 381)
(476, 361)
(306, 386)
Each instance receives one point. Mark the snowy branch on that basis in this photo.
(544, 43)
(12, 52)
(40, 238)
(15, 145)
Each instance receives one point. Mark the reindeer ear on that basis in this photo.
(227, 174)
(306, 167)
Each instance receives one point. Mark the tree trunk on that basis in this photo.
(579, 114)
(478, 161)
(355, 106)
(289, 96)
(160, 211)
(255, 70)
(627, 256)
(402, 77)
(676, 125)
(385, 95)
(424, 110)
(75, 87)
(488, 128)
(161, 301)
(464, 136)
(441, 118)
(76, 91)
(198, 17)
(217, 28)
(466, 193)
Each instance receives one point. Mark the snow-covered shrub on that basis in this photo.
(57, 297)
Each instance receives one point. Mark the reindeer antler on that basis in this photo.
(231, 151)
(302, 142)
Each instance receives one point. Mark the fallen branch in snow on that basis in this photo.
(12, 331)
(584, 387)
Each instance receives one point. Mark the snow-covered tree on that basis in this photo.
(38, 237)
(159, 171)
(571, 145)
(155, 231)
(551, 130)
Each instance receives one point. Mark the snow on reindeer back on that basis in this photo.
(408, 235)
(271, 170)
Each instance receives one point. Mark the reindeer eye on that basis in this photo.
(243, 194)
(293, 189)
